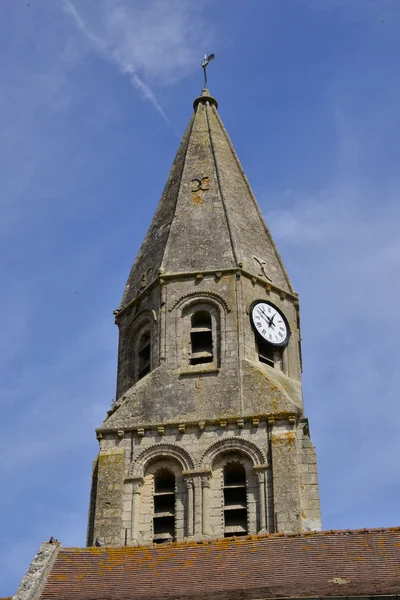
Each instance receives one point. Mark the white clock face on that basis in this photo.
(270, 323)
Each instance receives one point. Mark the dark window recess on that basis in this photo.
(144, 355)
(164, 507)
(235, 500)
(201, 338)
(266, 353)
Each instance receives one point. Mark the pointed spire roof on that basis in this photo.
(208, 217)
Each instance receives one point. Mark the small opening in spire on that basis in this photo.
(144, 354)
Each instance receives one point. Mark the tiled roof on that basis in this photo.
(330, 563)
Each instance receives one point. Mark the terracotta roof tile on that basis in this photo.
(329, 563)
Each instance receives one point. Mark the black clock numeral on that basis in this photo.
(270, 336)
(280, 334)
(263, 331)
(269, 309)
(259, 324)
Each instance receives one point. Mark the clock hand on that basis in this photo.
(264, 317)
(267, 317)
(270, 320)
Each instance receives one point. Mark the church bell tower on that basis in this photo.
(207, 437)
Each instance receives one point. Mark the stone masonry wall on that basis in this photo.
(271, 453)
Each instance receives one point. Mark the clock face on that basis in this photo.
(270, 323)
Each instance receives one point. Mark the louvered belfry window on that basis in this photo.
(235, 500)
(201, 338)
(164, 507)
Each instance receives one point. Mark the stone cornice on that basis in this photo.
(223, 422)
(218, 273)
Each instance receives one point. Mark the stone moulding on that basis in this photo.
(165, 276)
(252, 420)
(232, 444)
(202, 294)
(162, 450)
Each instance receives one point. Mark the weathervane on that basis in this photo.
(204, 64)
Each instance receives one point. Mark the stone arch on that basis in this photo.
(205, 296)
(161, 451)
(186, 306)
(142, 321)
(232, 444)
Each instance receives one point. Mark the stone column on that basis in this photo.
(261, 500)
(189, 506)
(137, 488)
(205, 486)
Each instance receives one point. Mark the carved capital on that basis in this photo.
(189, 482)
(260, 476)
(205, 481)
(137, 483)
(137, 486)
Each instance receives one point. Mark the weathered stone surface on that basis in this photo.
(207, 216)
(207, 250)
(35, 578)
(108, 496)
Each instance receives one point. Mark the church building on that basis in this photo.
(206, 482)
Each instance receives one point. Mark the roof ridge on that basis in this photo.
(240, 539)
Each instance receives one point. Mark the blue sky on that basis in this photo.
(93, 96)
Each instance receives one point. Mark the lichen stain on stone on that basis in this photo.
(197, 200)
(284, 439)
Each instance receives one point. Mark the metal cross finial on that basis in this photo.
(204, 64)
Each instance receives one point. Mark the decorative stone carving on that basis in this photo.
(234, 443)
(162, 451)
(205, 481)
(202, 294)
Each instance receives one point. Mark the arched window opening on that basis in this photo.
(164, 507)
(235, 500)
(201, 338)
(144, 354)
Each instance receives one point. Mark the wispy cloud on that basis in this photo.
(108, 54)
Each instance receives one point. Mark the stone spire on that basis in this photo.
(208, 217)
(207, 437)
